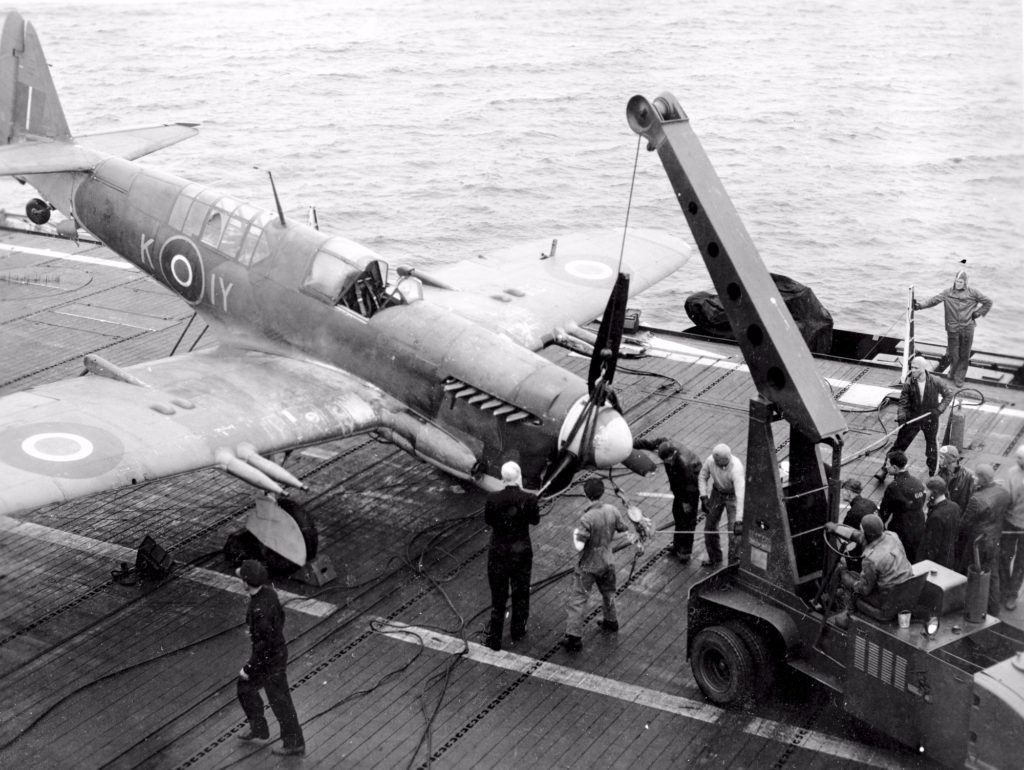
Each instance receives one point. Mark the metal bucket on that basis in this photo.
(977, 594)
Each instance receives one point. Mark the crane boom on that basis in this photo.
(779, 360)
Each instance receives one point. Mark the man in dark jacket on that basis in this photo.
(959, 480)
(983, 522)
(267, 665)
(859, 506)
(902, 507)
(942, 526)
(509, 513)
(922, 399)
(963, 305)
(682, 466)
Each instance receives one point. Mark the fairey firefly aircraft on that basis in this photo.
(315, 342)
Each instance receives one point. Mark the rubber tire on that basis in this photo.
(722, 665)
(37, 211)
(760, 654)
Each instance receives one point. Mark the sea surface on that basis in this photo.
(868, 146)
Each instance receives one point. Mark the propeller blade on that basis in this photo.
(609, 336)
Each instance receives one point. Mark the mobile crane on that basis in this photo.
(953, 690)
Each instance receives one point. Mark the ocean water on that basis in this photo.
(868, 146)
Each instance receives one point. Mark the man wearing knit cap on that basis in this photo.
(1011, 546)
(509, 513)
(959, 479)
(981, 527)
(267, 665)
(721, 484)
(963, 306)
(884, 565)
(593, 539)
(682, 467)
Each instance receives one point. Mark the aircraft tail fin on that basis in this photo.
(34, 135)
(29, 107)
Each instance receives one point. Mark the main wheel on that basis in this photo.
(38, 211)
(760, 655)
(722, 665)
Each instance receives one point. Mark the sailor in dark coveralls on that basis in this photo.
(902, 507)
(509, 513)
(941, 527)
(267, 665)
(682, 466)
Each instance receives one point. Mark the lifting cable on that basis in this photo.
(629, 204)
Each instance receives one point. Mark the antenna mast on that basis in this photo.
(280, 211)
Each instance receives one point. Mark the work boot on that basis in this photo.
(881, 475)
(289, 751)
(711, 562)
(494, 644)
(684, 558)
(1011, 603)
(609, 625)
(252, 735)
(572, 643)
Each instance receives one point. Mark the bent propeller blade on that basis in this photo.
(609, 336)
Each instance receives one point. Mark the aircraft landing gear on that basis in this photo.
(38, 211)
(283, 536)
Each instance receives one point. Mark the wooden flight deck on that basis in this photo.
(387, 663)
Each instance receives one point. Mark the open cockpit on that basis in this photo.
(349, 275)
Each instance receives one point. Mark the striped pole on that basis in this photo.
(908, 338)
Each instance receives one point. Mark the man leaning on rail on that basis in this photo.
(963, 305)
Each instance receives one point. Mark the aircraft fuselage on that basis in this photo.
(296, 291)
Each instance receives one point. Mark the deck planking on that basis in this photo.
(144, 676)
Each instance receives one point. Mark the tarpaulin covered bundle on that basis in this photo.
(812, 318)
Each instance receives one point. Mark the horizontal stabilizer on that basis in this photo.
(45, 158)
(42, 157)
(132, 143)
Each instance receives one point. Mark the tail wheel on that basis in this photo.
(722, 665)
(760, 655)
(37, 211)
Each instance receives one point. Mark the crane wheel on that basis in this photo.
(760, 655)
(723, 665)
(37, 211)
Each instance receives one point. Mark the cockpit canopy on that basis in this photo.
(346, 273)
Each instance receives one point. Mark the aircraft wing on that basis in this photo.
(531, 294)
(77, 437)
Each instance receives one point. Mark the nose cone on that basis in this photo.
(613, 441)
